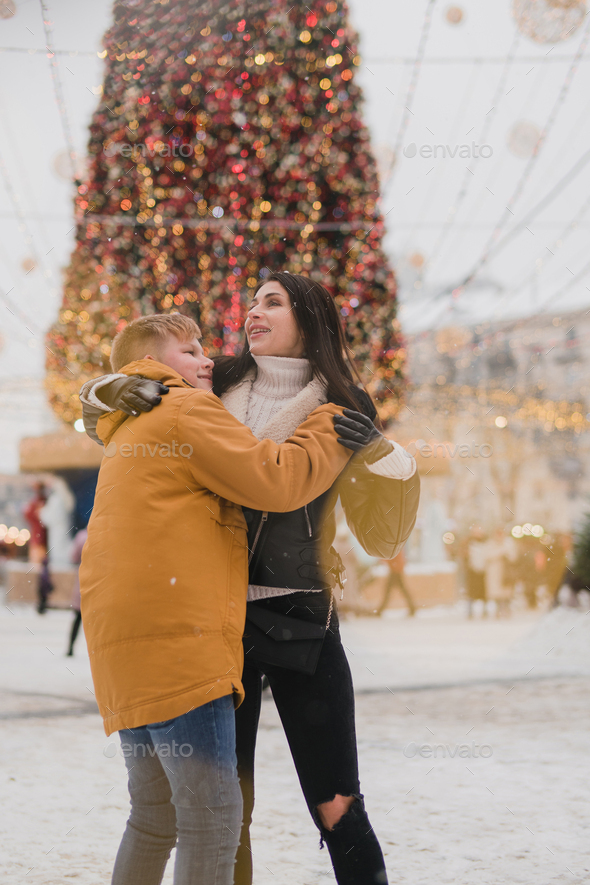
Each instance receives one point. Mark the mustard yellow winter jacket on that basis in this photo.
(164, 571)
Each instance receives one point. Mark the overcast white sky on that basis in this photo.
(464, 89)
(462, 78)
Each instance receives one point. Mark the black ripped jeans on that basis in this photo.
(317, 713)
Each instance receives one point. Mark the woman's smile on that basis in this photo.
(258, 330)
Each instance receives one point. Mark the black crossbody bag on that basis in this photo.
(274, 638)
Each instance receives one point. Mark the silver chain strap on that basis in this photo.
(330, 610)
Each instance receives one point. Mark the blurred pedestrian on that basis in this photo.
(38, 544)
(57, 515)
(395, 581)
(76, 557)
(32, 513)
(501, 554)
(44, 587)
(530, 568)
(556, 565)
(477, 553)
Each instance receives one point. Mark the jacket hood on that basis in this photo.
(111, 421)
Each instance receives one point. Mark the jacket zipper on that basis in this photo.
(309, 528)
(263, 519)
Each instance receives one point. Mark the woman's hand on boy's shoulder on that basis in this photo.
(133, 394)
(357, 432)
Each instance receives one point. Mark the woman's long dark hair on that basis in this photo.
(325, 345)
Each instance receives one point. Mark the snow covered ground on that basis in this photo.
(473, 741)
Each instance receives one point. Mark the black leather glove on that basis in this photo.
(357, 432)
(132, 395)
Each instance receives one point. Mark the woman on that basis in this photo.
(293, 363)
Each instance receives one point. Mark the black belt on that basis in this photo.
(314, 567)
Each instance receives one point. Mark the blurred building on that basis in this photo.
(543, 355)
(500, 415)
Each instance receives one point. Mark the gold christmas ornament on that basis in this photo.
(523, 139)
(7, 9)
(454, 15)
(549, 21)
(62, 166)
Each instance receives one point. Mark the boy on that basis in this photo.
(163, 579)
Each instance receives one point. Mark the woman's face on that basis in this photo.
(271, 326)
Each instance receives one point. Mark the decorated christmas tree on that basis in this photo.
(228, 143)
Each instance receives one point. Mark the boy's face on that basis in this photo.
(187, 358)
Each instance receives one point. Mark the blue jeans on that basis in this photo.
(184, 791)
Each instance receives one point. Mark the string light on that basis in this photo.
(233, 223)
(557, 243)
(411, 88)
(482, 404)
(529, 217)
(24, 228)
(82, 53)
(553, 298)
(521, 183)
(435, 181)
(389, 60)
(58, 88)
(482, 139)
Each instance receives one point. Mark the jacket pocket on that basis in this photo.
(229, 547)
(226, 513)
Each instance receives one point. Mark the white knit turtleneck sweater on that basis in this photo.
(278, 380)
